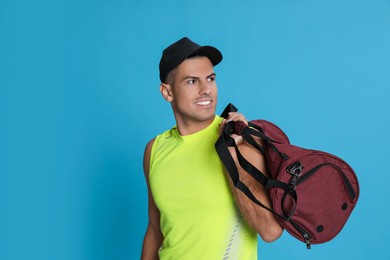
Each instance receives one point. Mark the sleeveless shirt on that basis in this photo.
(198, 215)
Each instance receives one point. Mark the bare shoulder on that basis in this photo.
(147, 153)
(149, 146)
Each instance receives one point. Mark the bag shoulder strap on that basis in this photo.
(223, 152)
(225, 141)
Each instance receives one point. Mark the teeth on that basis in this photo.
(203, 102)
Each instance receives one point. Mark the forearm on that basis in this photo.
(262, 220)
(151, 245)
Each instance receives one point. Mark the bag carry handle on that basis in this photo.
(229, 108)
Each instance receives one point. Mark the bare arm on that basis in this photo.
(263, 221)
(153, 236)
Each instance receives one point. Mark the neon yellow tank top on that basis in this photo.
(198, 216)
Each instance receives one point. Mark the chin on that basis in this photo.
(207, 117)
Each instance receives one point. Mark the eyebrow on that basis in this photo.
(194, 77)
(212, 75)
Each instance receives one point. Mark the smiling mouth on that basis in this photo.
(204, 103)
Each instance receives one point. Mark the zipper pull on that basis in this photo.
(307, 240)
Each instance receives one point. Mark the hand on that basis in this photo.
(235, 117)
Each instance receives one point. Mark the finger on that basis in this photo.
(234, 116)
(237, 139)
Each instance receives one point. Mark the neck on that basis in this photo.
(190, 127)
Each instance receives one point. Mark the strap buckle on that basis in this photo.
(295, 170)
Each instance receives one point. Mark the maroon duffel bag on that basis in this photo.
(312, 192)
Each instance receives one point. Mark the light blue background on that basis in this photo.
(79, 100)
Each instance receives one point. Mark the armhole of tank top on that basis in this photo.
(152, 152)
(156, 142)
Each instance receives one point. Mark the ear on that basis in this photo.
(166, 91)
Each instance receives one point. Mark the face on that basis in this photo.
(193, 95)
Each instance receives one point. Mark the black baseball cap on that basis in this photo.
(184, 48)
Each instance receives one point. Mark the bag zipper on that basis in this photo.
(306, 235)
(312, 171)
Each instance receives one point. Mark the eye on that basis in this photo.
(211, 79)
(191, 81)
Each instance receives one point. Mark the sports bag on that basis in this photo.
(312, 192)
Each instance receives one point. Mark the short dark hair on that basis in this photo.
(170, 78)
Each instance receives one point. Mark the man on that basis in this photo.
(192, 211)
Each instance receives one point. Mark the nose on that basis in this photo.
(205, 88)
